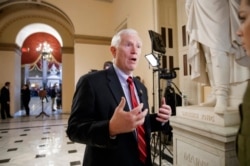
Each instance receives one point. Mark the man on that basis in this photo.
(107, 64)
(5, 101)
(215, 48)
(53, 97)
(104, 113)
(59, 97)
(25, 96)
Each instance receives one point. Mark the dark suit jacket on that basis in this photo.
(96, 97)
(5, 95)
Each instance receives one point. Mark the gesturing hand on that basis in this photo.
(123, 121)
(164, 112)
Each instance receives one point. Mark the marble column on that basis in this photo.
(26, 73)
(45, 71)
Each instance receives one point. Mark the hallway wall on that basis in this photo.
(86, 28)
(10, 71)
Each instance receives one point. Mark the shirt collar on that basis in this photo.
(122, 76)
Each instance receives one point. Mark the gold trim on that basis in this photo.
(67, 50)
(92, 39)
(9, 47)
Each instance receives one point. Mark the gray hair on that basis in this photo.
(117, 37)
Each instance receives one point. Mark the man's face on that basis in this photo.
(127, 54)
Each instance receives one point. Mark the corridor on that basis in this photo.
(41, 140)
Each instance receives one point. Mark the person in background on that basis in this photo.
(25, 96)
(53, 97)
(138, 77)
(107, 64)
(243, 137)
(46, 97)
(5, 101)
(59, 97)
(110, 110)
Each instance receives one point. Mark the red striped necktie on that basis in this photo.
(140, 129)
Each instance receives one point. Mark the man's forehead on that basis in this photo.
(131, 38)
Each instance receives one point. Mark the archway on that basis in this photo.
(16, 16)
(37, 70)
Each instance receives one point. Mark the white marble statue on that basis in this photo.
(214, 48)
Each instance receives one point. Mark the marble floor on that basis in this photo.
(42, 141)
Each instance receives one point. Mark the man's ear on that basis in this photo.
(113, 50)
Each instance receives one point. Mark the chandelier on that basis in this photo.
(45, 50)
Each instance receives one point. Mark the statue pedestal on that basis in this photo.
(201, 137)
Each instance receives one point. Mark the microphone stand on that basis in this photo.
(153, 109)
(159, 99)
(156, 136)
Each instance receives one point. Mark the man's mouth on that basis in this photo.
(133, 59)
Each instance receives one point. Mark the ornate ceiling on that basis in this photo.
(31, 56)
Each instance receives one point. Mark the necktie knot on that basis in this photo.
(134, 101)
(130, 80)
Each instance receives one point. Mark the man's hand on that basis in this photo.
(164, 112)
(126, 121)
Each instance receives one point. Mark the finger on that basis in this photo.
(166, 109)
(163, 115)
(137, 109)
(162, 120)
(163, 101)
(140, 106)
(142, 114)
(140, 118)
(122, 103)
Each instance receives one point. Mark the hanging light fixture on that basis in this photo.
(45, 50)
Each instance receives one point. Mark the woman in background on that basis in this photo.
(243, 137)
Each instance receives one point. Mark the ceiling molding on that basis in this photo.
(10, 47)
(93, 39)
(109, 1)
(67, 50)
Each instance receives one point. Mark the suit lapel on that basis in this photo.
(140, 92)
(115, 86)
